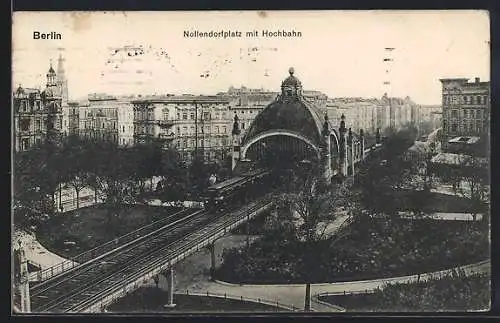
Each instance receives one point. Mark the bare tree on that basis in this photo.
(78, 182)
(307, 208)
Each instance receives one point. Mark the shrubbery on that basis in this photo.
(453, 293)
(373, 248)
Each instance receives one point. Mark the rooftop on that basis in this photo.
(464, 140)
(459, 159)
(182, 99)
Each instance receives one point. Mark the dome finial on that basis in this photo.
(291, 70)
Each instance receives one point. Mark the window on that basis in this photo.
(217, 114)
(223, 115)
(216, 129)
(453, 127)
(224, 129)
(454, 113)
(178, 116)
(123, 128)
(184, 116)
(38, 125)
(24, 124)
(242, 125)
(207, 129)
(24, 144)
(165, 114)
(192, 130)
(191, 116)
(178, 130)
(201, 142)
(206, 115)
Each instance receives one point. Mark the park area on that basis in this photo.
(369, 248)
(74, 232)
(152, 300)
(453, 293)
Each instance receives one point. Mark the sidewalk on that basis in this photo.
(35, 252)
(294, 294)
(449, 216)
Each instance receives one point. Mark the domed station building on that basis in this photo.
(292, 131)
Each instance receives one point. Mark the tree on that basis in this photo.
(173, 186)
(119, 189)
(474, 183)
(307, 206)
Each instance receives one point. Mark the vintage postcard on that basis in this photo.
(250, 161)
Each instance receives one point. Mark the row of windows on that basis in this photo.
(465, 99)
(29, 105)
(125, 141)
(202, 143)
(209, 155)
(25, 143)
(25, 124)
(466, 126)
(466, 113)
(203, 130)
(99, 125)
(109, 113)
(100, 135)
(201, 116)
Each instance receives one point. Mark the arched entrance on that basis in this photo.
(280, 149)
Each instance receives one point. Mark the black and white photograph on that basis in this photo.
(183, 162)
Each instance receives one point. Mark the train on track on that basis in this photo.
(238, 190)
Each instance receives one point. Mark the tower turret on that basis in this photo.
(291, 87)
(62, 83)
(351, 155)
(235, 150)
(343, 147)
(327, 172)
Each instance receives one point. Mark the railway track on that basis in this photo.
(85, 287)
(53, 272)
(53, 290)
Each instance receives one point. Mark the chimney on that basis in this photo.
(477, 79)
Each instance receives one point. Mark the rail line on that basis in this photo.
(92, 282)
(97, 252)
(174, 219)
(96, 271)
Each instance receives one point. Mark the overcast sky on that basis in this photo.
(340, 52)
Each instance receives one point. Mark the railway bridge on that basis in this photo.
(289, 130)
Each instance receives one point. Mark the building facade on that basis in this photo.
(37, 114)
(466, 108)
(247, 104)
(98, 118)
(362, 113)
(191, 124)
(73, 118)
(431, 116)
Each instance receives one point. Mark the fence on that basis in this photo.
(274, 303)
